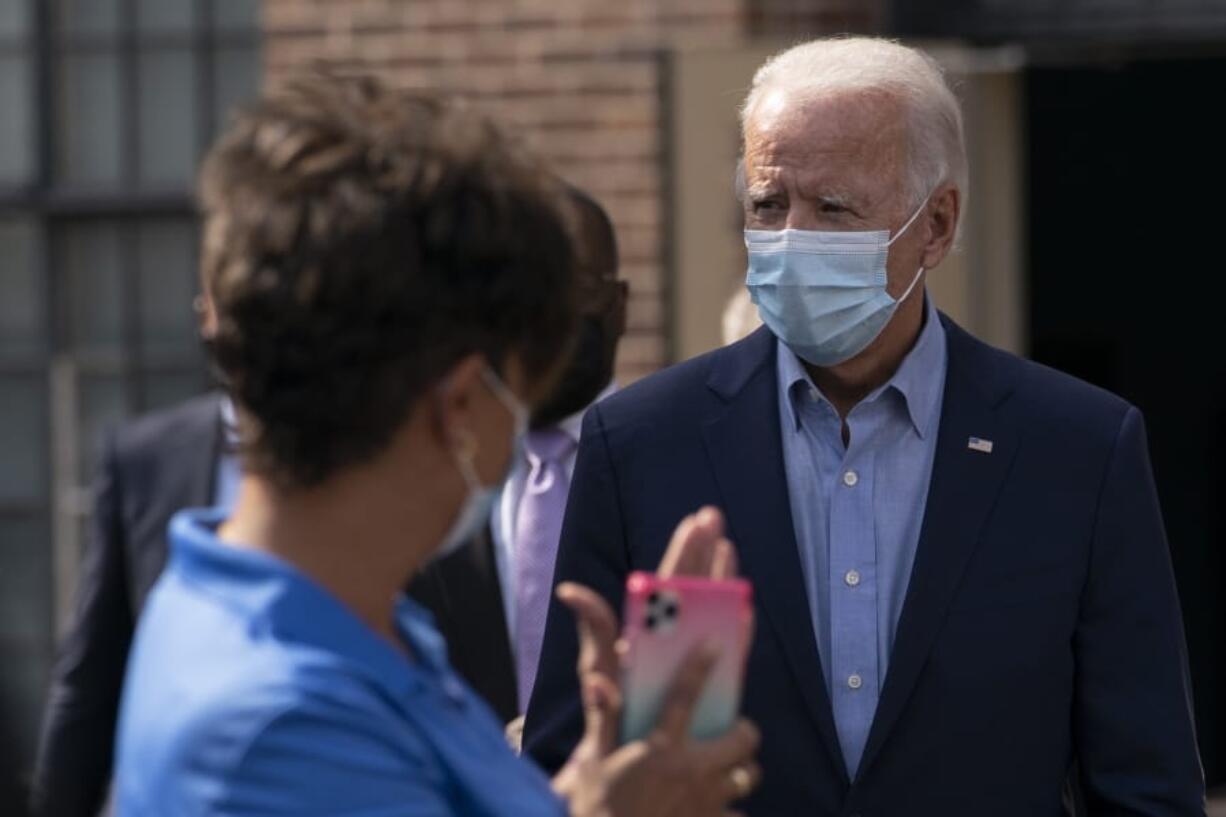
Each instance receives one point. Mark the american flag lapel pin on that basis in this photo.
(982, 446)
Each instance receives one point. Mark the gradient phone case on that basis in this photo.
(664, 619)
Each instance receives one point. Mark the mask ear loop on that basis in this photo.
(910, 221)
(904, 228)
(465, 452)
(914, 281)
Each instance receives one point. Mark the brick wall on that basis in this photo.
(584, 80)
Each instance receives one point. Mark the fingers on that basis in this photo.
(683, 693)
(731, 759)
(739, 782)
(598, 662)
(636, 753)
(735, 748)
(724, 563)
(602, 705)
(597, 628)
(747, 631)
(692, 550)
(682, 551)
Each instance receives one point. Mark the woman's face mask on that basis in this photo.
(474, 512)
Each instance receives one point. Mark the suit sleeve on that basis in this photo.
(592, 552)
(73, 767)
(1132, 714)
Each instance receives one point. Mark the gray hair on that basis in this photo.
(936, 145)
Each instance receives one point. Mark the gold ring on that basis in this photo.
(741, 780)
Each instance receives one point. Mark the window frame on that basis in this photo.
(50, 205)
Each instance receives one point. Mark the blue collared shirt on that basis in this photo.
(857, 511)
(251, 690)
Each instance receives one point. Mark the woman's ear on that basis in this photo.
(456, 398)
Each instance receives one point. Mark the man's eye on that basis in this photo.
(766, 206)
(832, 207)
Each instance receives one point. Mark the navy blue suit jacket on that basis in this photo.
(1041, 631)
(150, 468)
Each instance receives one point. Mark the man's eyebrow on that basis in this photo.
(764, 188)
(760, 189)
(834, 199)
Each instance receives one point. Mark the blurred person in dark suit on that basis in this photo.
(489, 599)
(150, 469)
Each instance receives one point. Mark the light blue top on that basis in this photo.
(857, 511)
(251, 690)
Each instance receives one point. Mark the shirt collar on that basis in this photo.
(277, 598)
(919, 379)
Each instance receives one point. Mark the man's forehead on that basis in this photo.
(788, 130)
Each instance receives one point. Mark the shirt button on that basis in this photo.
(813, 395)
(850, 479)
(855, 681)
(852, 578)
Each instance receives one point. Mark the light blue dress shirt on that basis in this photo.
(857, 511)
(250, 690)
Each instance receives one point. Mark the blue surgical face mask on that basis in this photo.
(823, 293)
(474, 512)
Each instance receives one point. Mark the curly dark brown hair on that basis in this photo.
(358, 242)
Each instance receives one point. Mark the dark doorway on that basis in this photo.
(1127, 212)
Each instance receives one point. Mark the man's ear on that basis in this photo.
(942, 224)
(622, 307)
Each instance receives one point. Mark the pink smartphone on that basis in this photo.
(664, 619)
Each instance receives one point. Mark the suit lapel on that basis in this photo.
(965, 483)
(744, 446)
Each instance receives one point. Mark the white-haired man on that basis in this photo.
(964, 592)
